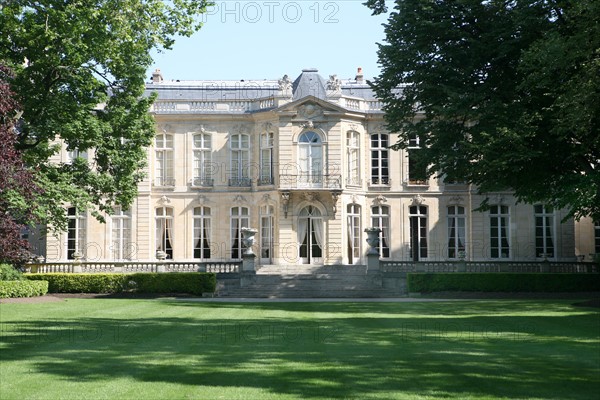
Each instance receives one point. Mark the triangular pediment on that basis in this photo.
(310, 107)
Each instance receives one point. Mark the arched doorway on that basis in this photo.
(310, 235)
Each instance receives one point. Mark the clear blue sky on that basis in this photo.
(265, 39)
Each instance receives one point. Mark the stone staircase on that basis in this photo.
(308, 281)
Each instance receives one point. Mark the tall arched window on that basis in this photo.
(380, 218)
(202, 150)
(310, 160)
(418, 232)
(239, 219)
(163, 163)
(202, 226)
(164, 230)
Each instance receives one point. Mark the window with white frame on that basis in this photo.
(201, 236)
(163, 163)
(76, 233)
(240, 160)
(72, 155)
(353, 158)
(380, 218)
(544, 231)
(202, 152)
(266, 158)
(417, 170)
(239, 219)
(418, 232)
(164, 230)
(499, 231)
(122, 247)
(457, 241)
(380, 174)
(310, 159)
(267, 232)
(353, 224)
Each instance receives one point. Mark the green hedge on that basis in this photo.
(9, 289)
(192, 283)
(503, 282)
(10, 273)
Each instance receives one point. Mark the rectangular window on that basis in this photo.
(353, 233)
(418, 232)
(163, 150)
(417, 168)
(456, 232)
(597, 237)
(239, 220)
(499, 232)
(202, 152)
(76, 233)
(266, 159)
(164, 231)
(240, 160)
(380, 218)
(267, 234)
(544, 231)
(353, 155)
(121, 244)
(201, 237)
(379, 159)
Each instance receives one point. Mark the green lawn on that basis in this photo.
(172, 349)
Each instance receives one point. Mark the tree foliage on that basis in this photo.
(18, 190)
(502, 94)
(80, 70)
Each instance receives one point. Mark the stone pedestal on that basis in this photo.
(373, 252)
(77, 256)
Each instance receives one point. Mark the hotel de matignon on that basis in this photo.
(306, 162)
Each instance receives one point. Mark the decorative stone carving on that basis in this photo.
(202, 199)
(379, 200)
(164, 200)
(285, 200)
(239, 199)
(310, 196)
(309, 111)
(335, 195)
(334, 84)
(373, 240)
(456, 200)
(285, 84)
(248, 240)
(418, 200)
(268, 127)
(308, 125)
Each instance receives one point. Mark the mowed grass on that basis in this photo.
(173, 349)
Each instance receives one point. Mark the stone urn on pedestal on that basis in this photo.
(248, 256)
(373, 252)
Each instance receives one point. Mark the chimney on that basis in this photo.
(157, 76)
(359, 75)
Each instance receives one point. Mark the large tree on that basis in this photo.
(80, 71)
(18, 191)
(502, 94)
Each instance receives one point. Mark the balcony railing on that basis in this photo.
(203, 182)
(164, 182)
(265, 180)
(380, 182)
(240, 182)
(310, 181)
(353, 181)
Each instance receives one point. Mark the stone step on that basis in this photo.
(240, 293)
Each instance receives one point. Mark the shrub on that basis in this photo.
(192, 283)
(503, 282)
(24, 288)
(10, 273)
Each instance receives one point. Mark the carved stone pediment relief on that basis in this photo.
(310, 111)
(239, 199)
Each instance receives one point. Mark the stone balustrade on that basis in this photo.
(488, 266)
(128, 267)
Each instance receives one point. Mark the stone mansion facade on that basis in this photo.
(306, 163)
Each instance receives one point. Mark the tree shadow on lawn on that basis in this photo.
(549, 357)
